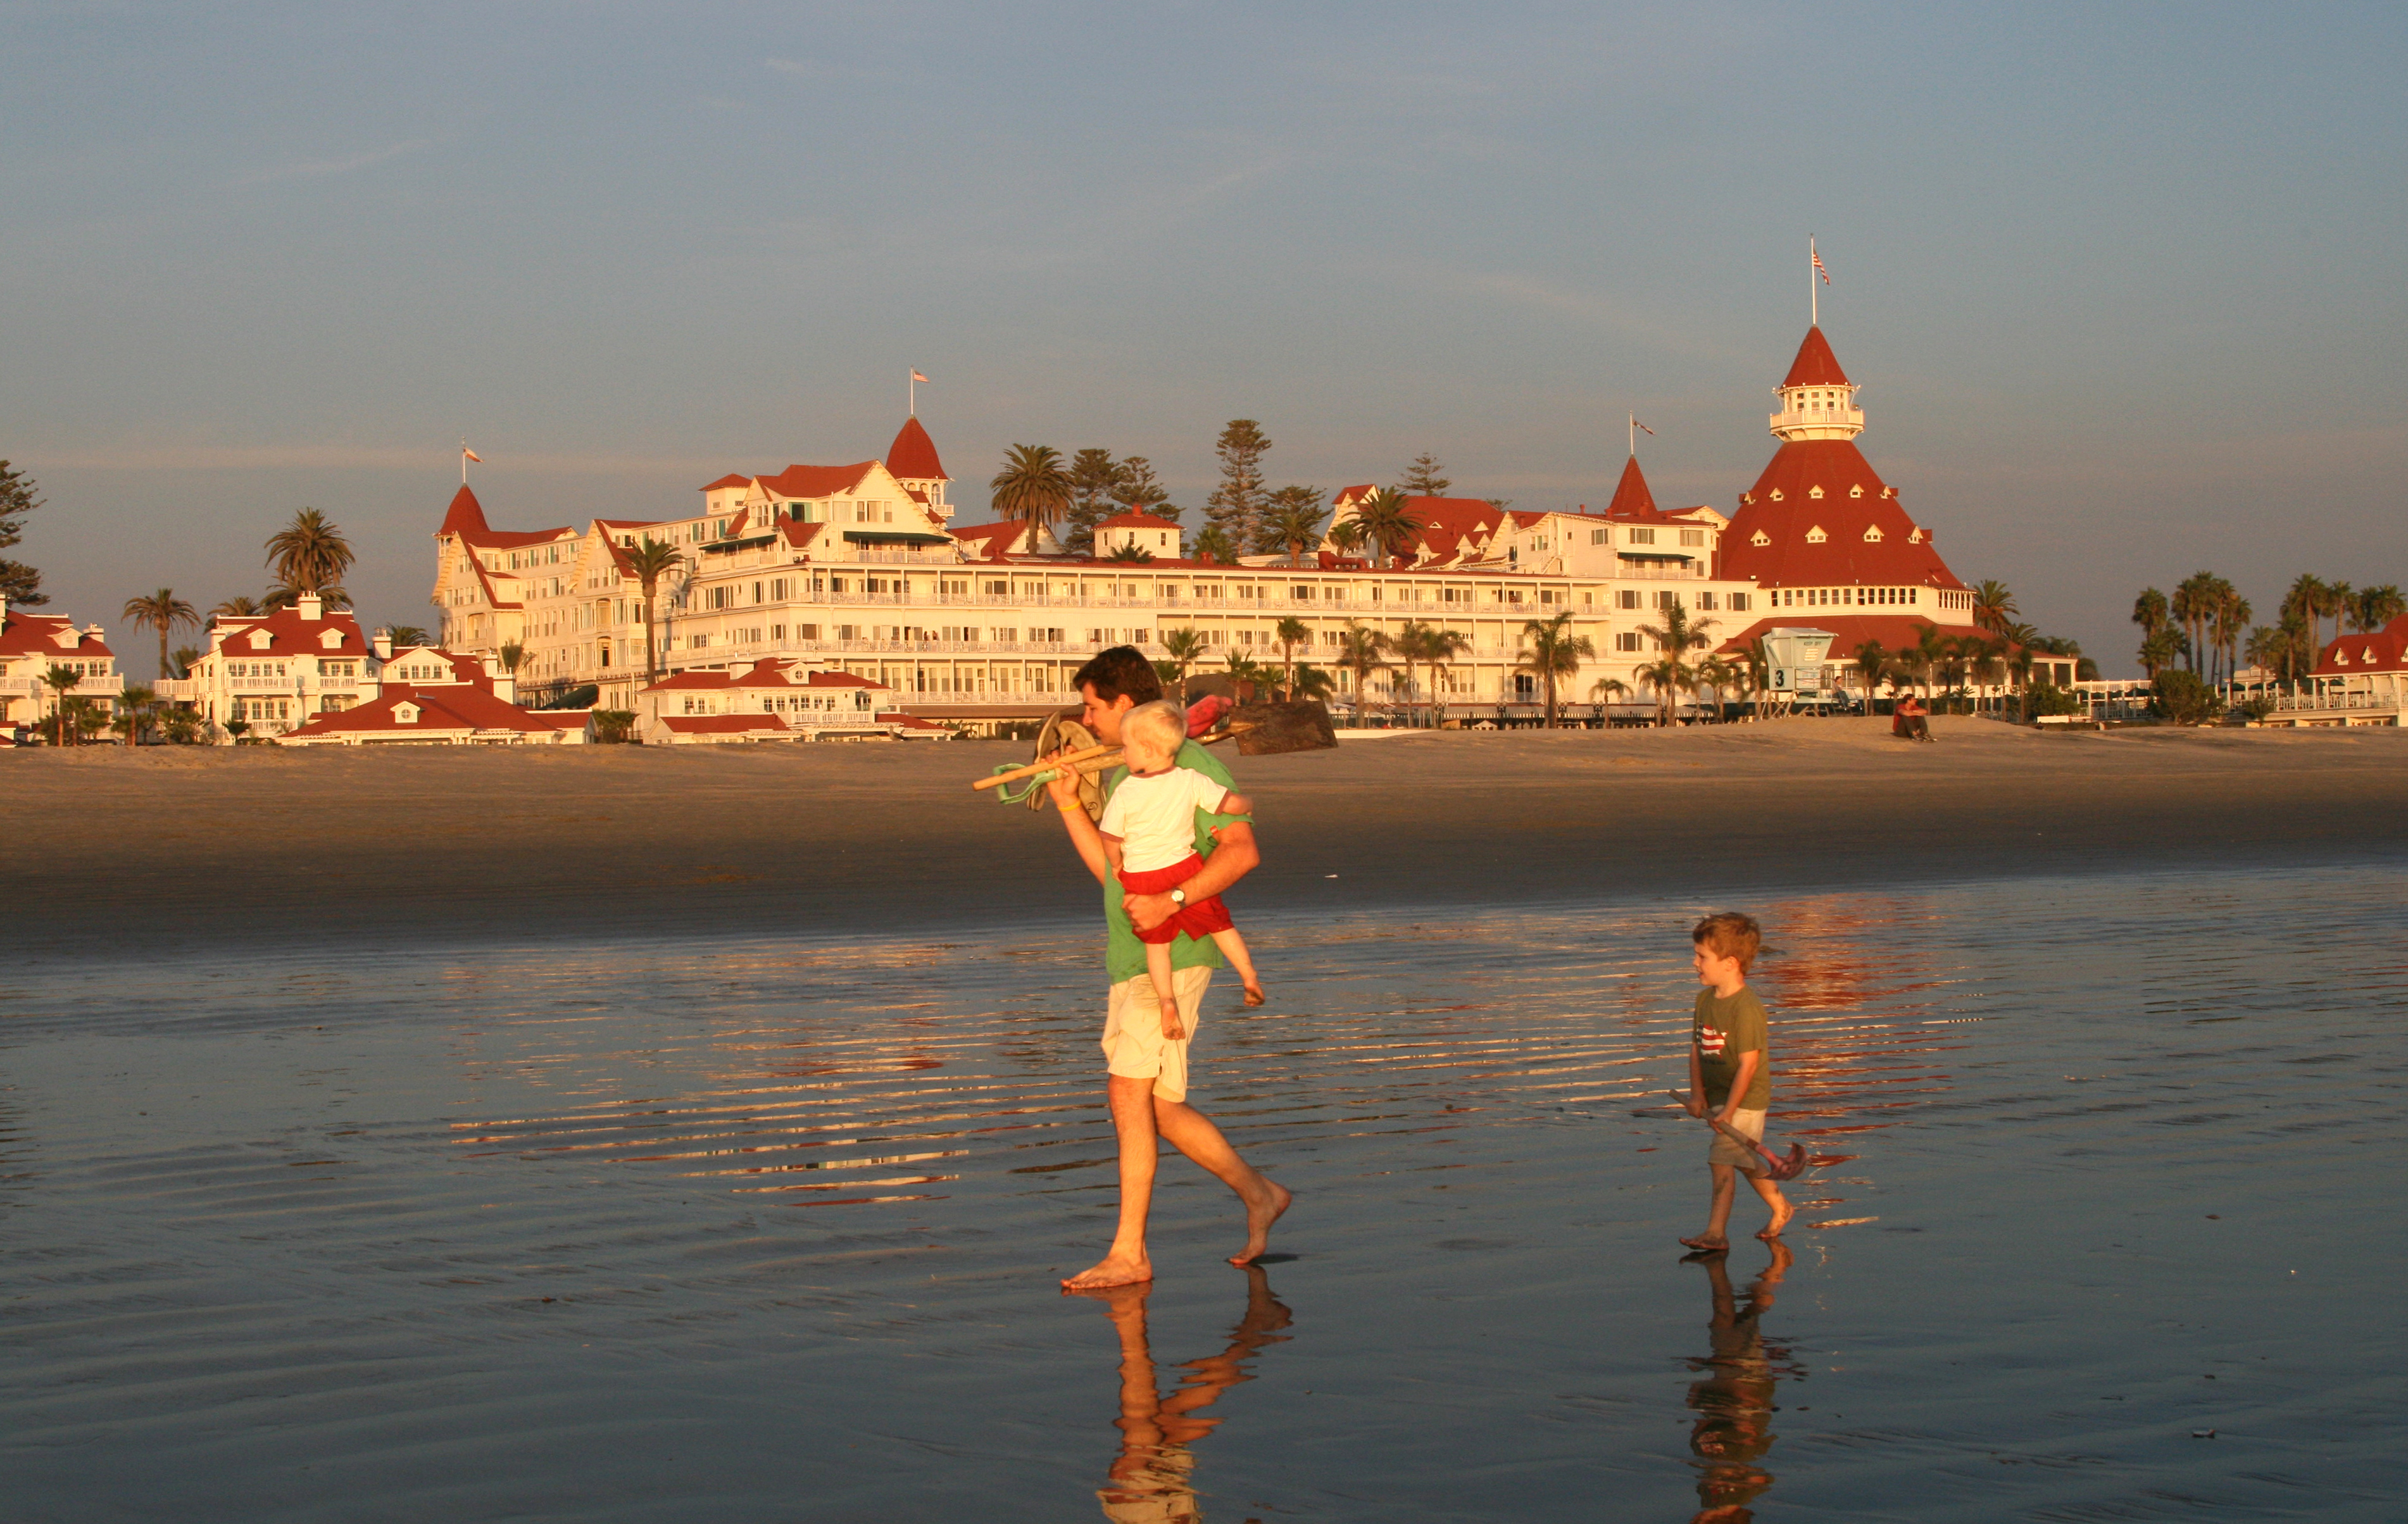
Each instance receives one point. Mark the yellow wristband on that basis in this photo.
(1073, 809)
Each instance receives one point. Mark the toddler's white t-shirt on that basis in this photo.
(1154, 817)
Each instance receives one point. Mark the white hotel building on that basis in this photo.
(858, 569)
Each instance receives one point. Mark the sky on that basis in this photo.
(2121, 284)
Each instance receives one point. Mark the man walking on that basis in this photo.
(1148, 1071)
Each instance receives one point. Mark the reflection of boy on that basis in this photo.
(1730, 1071)
(1734, 1402)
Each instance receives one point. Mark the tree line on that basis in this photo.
(1244, 515)
(2204, 629)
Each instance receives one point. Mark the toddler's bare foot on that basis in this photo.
(1115, 1269)
(1704, 1242)
(1780, 1216)
(1254, 994)
(1259, 1217)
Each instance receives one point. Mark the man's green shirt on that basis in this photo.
(1124, 954)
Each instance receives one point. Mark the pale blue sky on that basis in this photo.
(2123, 284)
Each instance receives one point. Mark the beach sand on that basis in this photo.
(151, 849)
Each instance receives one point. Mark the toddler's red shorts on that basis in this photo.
(1199, 919)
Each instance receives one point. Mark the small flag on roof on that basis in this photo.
(917, 377)
(472, 455)
(1818, 266)
(1641, 427)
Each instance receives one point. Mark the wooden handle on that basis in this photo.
(1071, 759)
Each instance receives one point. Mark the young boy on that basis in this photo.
(1148, 830)
(1730, 1070)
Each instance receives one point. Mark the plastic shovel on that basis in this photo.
(1779, 1167)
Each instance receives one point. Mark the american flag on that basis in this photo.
(1819, 270)
(1641, 427)
(472, 455)
(917, 377)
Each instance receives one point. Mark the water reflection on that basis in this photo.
(1151, 1481)
(1733, 1431)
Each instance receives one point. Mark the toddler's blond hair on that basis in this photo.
(1161, 723)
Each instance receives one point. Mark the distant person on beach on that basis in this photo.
(1149, 830)
(1730, 1071)
(1147, 1069)
(1911, 719)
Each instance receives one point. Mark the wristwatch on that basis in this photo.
(1178, 898)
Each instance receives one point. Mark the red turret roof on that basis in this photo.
(912, 457)
(1631, 494)
(1815, 364)
(466, 515)
(1866, 537)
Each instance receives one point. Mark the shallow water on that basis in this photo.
(763, 1231)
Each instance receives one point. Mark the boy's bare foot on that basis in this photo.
(1705, 1242)
(1115, 1269)
(1254, 994)
(1780, 1220)
(1260, 1217)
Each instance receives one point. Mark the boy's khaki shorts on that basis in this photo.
(1134, 1047)
(1724, 1151)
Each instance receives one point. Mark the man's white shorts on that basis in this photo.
(1134, 1046)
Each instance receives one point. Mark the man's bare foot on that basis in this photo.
(1707, 1240)
(1260, 1217)
(1115, 1269)
(1780, 1220)
(1254, 994)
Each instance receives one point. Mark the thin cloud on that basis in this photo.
(347, 457)
(321, 168)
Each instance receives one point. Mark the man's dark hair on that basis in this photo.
(1123, 669)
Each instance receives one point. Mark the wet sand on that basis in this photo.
(171, 848)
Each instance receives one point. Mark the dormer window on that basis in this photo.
(1916, 539)
(1815, 535)
(1759, 538)
(1857, 491)
(404, 714)
(1814, 492)
(1776, 494)
(259, 640)
(1872, 535)
(331, 640)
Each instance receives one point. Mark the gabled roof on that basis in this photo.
(37, 635)
(729, 480)
(2381, 651)
(817, 480)
(464, 516)
(735, 724)
(1850, 630)
(1783, 508)
(798, 534)
(912, 457)
(510, 539)
(289, 635)
(439, 709)
(991, 542)
(1815, 364)
(771, 672)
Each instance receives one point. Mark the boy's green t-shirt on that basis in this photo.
(1725, 1029)
(1124, 954)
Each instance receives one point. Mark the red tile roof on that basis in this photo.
(439, 709)
(798, 534)
(1815, 364)
(2382, 650)
(37, 635)
(464, 515)
(1631, 497)
(771, 672)
(731, 479)
(912, 457)
(1851, 628)
(723, 724)
(1844, 555)
(1135, 520)
(817, 480)
(991, 542)
(289, 635)
(508, 539)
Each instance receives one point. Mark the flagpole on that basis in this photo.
(1634, 434)
(464, 463)
(1814, 294)
(911, 396)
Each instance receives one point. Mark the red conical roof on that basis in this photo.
(912, 457)
(467, 516)
(1815, 364)
(1631, 494)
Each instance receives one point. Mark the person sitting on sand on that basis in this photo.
(1911, 719)
(1148, 830)
(1147, 1084)
(1731, 1068)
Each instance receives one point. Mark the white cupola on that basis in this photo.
(1817, 402)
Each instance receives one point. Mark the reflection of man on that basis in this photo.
(1152, 1480)
(1734, 1401)
(1148, 1071)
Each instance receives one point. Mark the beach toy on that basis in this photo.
(1781, 1167)
(1064, 741)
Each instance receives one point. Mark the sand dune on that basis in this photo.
(150, 849)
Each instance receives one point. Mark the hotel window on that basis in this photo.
(1627, 598)
(1738, 602)
(1664, 598)
(1693, 537)
(1596, 536)
(1627, 641)
(1705, 601)
(1642, 537)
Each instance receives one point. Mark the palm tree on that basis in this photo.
(405, 636)
(1387, 523)
(1291, 520)
(1360, 652)
(647, 563)
(1212, 543)
(160, 611)
(334, 595)
(513, 655)
(1348, 537)
(1606, 691)
(1290, 633)
(1670, 673)
(185, 656)
(1185, 648)
(61, 681)
(2022, 642)
(2301, 601)
(1032, 489)
(135, 708)
(1246, 673)
(1872, 661)
(1130, 553)
(2335, 603)
(2162, 651)
(1713, 676)
(1312, 683)
(1925, 656)
(309, 554)
(1551, 653)
(1993, 605)
(2230, 616)
(1415, 642)
(239, 606)
(2376, 608)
